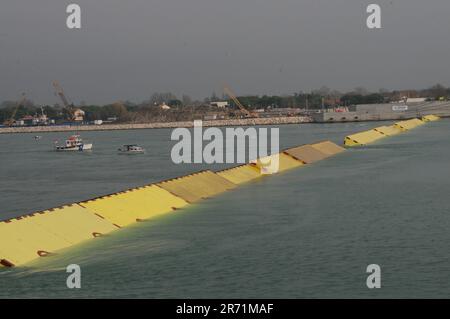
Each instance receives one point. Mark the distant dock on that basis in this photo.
(384, 112)
(135, 126)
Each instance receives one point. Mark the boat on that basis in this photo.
(74, 143)
(131, 149)
(37, 137)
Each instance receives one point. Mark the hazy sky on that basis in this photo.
(130, 49)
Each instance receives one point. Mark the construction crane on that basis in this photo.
(246, 112)
(11, 120)
(62, 96)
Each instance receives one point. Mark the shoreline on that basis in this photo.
(131, 126)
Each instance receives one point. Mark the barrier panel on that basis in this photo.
(363, 138)
(389, 130)
(409, 124)
(430, 118)
(285, 162)
(73, 223)
(134, 205)
(241, 174)
(306, 153)
(26, 238)
(195, 187)
(328, 148)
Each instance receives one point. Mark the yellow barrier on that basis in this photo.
(430, 118)
(26, 238)
(133, 205)
(241, 174)
(367, 137)
(328, 148)
(388, 130)
(306, 153)
(363, 138)
(195, 187)
(285, 162)
(409, 124)
(73, 223)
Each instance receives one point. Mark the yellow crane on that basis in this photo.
(246, 112)
(11, 120)
(68, 106)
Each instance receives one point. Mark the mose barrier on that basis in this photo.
(241, 174)
(388, 130)
(125, 208)
(43, 234)
(195, 187)
(28, 237)
(430, 118)
(371, 136)
(409, 124)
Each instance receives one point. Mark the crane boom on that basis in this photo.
(228, 92)
(60, 93)
(68, 106)
(12, 120)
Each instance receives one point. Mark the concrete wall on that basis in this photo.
(381, 112)
(110, 127)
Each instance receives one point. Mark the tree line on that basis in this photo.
(186, 108)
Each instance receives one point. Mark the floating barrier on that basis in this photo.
(328, 148)
(197, 186)
(430, 118)
(29, 237)
(389, 130)
(241, 174)
(285, 162)
(363, 138)
(306, 153)
(371, 136)
(24, 239)
(409, 124)
(134, 205)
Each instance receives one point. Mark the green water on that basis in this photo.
(306, 233)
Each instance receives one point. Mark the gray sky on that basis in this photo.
(130, 49)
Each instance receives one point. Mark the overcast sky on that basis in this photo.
(130, 49)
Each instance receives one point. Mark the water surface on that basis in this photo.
(306, 233)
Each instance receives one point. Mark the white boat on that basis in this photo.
(131, 149)
(74, 143)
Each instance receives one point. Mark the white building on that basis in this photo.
(78, 115)
(164, 106)
(416, 100)
(220, 104)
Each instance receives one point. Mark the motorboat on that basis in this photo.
(74, 143)
(131, 149)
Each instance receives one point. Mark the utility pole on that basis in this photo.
(306, 102)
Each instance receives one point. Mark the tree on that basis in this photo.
(360, 90)
(174, 102)
(323, 91)
(437, 91)
(213, 97)
(354, 99)
(160, 98)
(186, 100)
